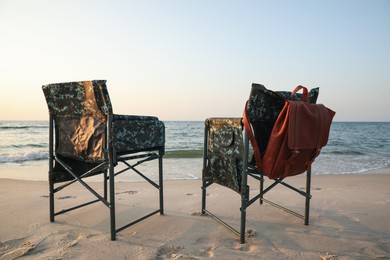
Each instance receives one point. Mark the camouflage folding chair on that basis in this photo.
(86, 139)
(228, 158)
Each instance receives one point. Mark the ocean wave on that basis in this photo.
(349, 164)
(22, 157)
(363, 170)
(29, 145)
(22, 127)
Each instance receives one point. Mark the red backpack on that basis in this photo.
(299, 133)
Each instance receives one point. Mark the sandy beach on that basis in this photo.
(350, 219)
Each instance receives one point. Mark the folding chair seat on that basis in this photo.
(229, 159)
(86, 139)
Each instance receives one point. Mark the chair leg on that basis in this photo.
(261, 189)
(206, 136)
(243, 219)
(105, 187)
(203, 197)
(112, 202)
(244, 188)
(51, 166)
(161, 189)
(51, 198)
(308, 196)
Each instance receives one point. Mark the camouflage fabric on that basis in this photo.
(80, 138)
(264, 107)
(264, 104)
(81, 110)
(134, 133)
(225, 151)
(78, 99)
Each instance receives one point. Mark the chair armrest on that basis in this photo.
(133, 117)
(137, 133)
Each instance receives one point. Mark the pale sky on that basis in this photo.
(189, 60)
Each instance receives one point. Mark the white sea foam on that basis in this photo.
(353, 148)
(21, 157)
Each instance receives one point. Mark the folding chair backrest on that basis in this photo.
(80, 111)
(264, 107)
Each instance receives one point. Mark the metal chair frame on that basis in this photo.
(106, 167)
(246, 200)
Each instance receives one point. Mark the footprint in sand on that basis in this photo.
(59, 198)
(303, 188)
(39, 243)
(172, 252)
(208, 251)
(196, 213)
(66, 197)
(250, 233)
(167, 252)
(130, 192)
(191, 194)
(15, 248)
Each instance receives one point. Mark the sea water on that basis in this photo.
(353, 148)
